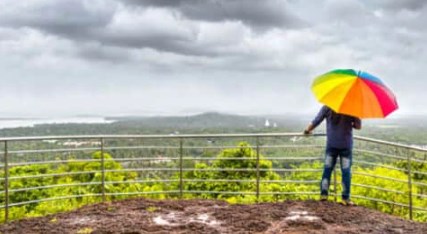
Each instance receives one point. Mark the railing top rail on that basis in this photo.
(367, 139)
(176, 136)
(180, 136)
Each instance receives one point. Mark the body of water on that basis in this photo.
(16, 123)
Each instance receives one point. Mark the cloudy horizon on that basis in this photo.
(174, 57)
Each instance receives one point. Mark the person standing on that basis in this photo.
(339, 143)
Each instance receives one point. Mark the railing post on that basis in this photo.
(181, 152)
(257, 169)
(409, 167)
(102, 170)
(6, 184)
(335, 183)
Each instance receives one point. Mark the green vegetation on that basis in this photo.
(80, 182)
(207, 163)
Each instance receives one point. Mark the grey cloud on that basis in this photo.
(160, 41)
(86, 24)
(68, 17)
(351, 12)
(396, 5)
(255, 13)
(160, 3)
(97, 52)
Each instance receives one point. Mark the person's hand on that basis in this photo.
(306, 132)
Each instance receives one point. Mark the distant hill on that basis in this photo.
(408, 129)
(205, 120)
(209, 120)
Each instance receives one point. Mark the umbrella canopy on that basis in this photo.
(354, 93)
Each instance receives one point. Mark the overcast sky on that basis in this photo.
(145, 57)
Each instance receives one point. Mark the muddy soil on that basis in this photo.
(207, 216)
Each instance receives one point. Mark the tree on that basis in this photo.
(233, 170)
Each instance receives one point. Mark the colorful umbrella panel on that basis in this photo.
(354, 93)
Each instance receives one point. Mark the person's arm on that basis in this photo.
(357, 124)
(319, 118)
(308, 129)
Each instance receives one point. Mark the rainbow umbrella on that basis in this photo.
(354, 93)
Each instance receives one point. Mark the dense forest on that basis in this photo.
(408, 130)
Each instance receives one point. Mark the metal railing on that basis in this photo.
(168, 160)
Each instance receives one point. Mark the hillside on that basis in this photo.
(207, 216)
(210, 122)
(409, 130)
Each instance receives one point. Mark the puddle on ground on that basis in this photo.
(301, 215)
(173, 219)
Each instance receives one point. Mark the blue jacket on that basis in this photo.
(339, 128)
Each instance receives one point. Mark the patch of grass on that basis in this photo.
(85, 230)
(152, 209)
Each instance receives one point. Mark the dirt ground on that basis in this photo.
(207, 216)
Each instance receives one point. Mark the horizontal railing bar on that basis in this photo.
(238, 135)
(289, 193)
(380, 200)
(52, 150)
(144, 193)
(381, 142)
(215, 169)
(158, 192)
(379, 165)
(53, 199)
(210, 147)
(291, 146)
(157, 181)
(153, 159)
(419, 195)
(196, 180)
(388, 202)
(89, 183)
(413, 159)
(293, 158)
(144, 159)
(140, 147)
(195, 136)
(379, 153)
(145, 147)
(220, 192)
(166, 159)
(50, 175)
(51, 186)
(163, 169)
(249, 181)
(250, 193)
(218, 180)
(419, 172)
(419, 208)
(214, 158)
(290, 181)
(52, 162)
(87, 195)
(419, 183)
(378, 188)
(200, 158)
(379, 177)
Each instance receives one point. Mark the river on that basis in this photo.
(30, 122)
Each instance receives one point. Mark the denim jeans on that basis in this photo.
(331, 155)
